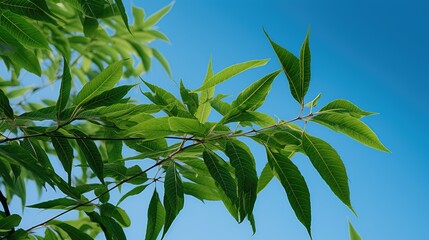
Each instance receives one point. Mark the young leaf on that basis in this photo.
(352, 127)
(291, 67)
(65, 88)
(329, 165)
(304, 62)
(243, 162)
(5, 105)
(22, 30)
(204, 106)
(74, 233)
(161, 59)
(65, 154)
(154, 18)
(231, 71)
(104, 81)
(189, 98)
(294, 184)
(313, 102)
(354, 235)
(91, 153)
(135, 191)
(173, 196)
(155, 217)
(219, 171)
(344, 106)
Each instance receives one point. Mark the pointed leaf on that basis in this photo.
(173, 196)
(329, 165)
(291, 67)
(59, 203)
(265, 177)
(5, 105)
(190, 99)
(204, 107)
(74, 233)
(10, 222)
(200, 192)
(344, 106)
(313, 102)
(161, 59)
(354, 235)
(186, 125)
(65, 88)
(154, 18)
(294, 184)
(65, 154)
(305, 64)
(135, 191)
(115, 212)
(155, 216)
(123, 13)
(108, 97)
(352, 127)
(231, 71)
(152, 128)
(104, 81)
(34, 9)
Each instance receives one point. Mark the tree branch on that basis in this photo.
(3, 201)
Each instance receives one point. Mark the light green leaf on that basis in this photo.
(115, 212)
(313, 102)
(18, 92)
(173, 196)
(59, 203)
(294, 184)
(189, 98)
(243, 162)
(344, 106)
(138, 14)
(74, 233)
(5, 105)
(65, 88)
(22, 30)
(254, 96)
(352, 127)
(305, 65)
(265, 177)
(204, 107)
(155, 216)
(108, 97)
(135, 191)
(231, 71)
(158, 55)
(91, 153)
(153, 128)
(186, 125)
(291, 67)
(218, 169)
(354, 235)
(104, 81)
(10, 222)
(329, 165)
(258, 118)
(154, 18)
(65, 154)
(200, 192)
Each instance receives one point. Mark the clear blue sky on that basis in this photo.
(373, 53)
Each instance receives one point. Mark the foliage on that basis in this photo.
(89, 47)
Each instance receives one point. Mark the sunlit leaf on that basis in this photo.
(265, 177)
(158, 55)
(354, 235)
(189, 98)
(305, 64)
(108, 97)
(344, 106)
(200, 192)
(123, 13)
(155, 217)
(204, 107)
(154, 18)
(186, 125)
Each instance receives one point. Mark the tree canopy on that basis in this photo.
(81, 142)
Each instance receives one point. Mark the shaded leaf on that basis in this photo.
(190, 99)
(5, 105)
(135, 191)
(34, 9)
(10, 222)
(155, 216)
(59, 203)
(173, 196)
(65, 88)
(108, 97)
(200, 192)
(65, 154)
(161, 59)
(74, 233)
(123, 13)
(305, 64)
(115, 212)
(265, 177)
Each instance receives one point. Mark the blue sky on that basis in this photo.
(373, 53)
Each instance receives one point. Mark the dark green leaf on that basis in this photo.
(60, 203)
(173, 196)
(305, 64)
(65, 154)
(34, 9)
(329, 165)
(135, 191)
(155, 217)
(108, 97)
(123, 13)
(294, 184)
(74, 233)
(344, 106)
(65, 88)
(115, 212)
(265, 177)
(5, 105)
(10, 222)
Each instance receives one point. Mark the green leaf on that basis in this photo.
(354, 235)
(254, 96)
(65, 88)
(65, 154)
(173, 196)
(161, 59)
(218, 169)
(34, 9)
(294, 184)
(265, 177)
(258, 118)
(154, 18)
(155, 217)
(190, 99)
(123, 13)
(186, 125)
(200, 192)
(5, 105)
(231, 71)
(108, 97)
(22, 30)
(104, 81)
(135, 191)
(115, 212)
(313, 102)
(138, 14)
(291, 67)
(344, 106)
(152, 128)
(352, 127)
(59, 203)
(329, 165)
(91, 153)
(74, 233)
(204, 106)
(305, 65)
(243, 162)
(10, 222)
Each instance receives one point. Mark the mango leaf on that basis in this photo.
(65, 154)
(344, 106)
(5, 105)
(258, 118)
(59, 203)
(254, 96)
(200, 192)
(135, 191)
(123, 13)
(154, 18)
(104, 81)
(354, 235)
(218, 169)
(138, 14)
(10, 222)
(74, 233)
(265, 177)
(22, 30)
(305, 64)
(115, 212)
(352, 127)
(190, 99)
(65, 88)
(153, 128)
(112, 230)
(34, 148)
(294, 184)
(155, 217)
(204, 107)
(313, 102)
(161, 59)
(329, 165)
(91, 153)
(231, 71)
(243, 162)
(34, 9)
(173, 196)
(186, 125)
(291, 67)
(108, 97)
